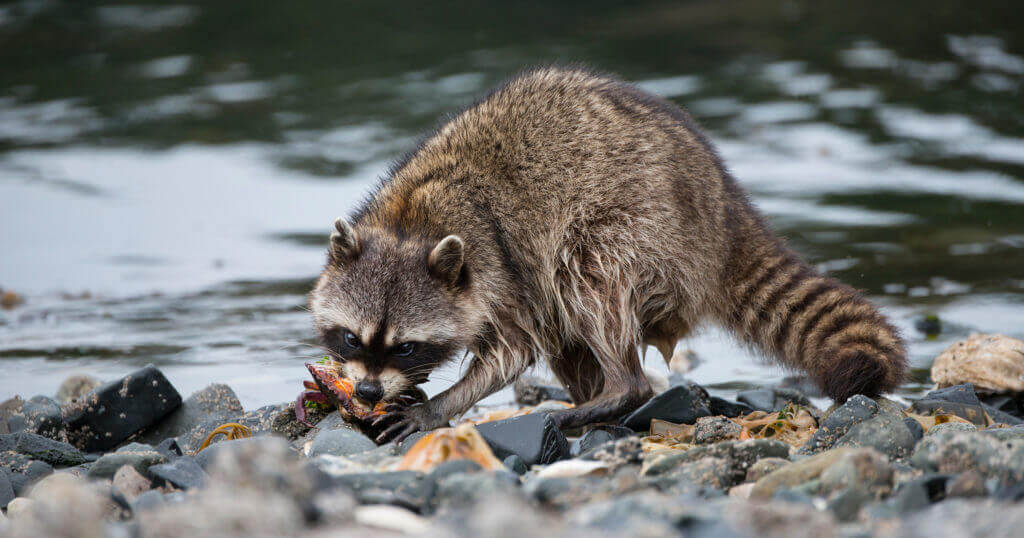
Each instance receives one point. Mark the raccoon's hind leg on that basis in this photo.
(577, 369)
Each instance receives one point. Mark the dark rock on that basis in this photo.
(182, 473)
(846, 503)
(721, 406)
(22, 471)
(6, 489)
(964, 394)
(286, 425)
(1000, 417)
(532, 391)
(915, 428)
(113, 412)
(139, 456)
(533, 437)
(959, 400)
(1005, 434)
(929, 325)
(886, 433)
(715, 429)
(340, 442)
(516, 464)
(772, 399)
(802, 384)
(42, 448)
(408, 443)
(39, 415)
(837, 423)
(597, 436)
(679, 404)
(169, 449)
(215, 403)
(74, 387)
(402, 488)
(261, 420)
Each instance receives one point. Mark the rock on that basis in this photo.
(532, 391)
(846, 503)
(1005, 434)
(618, 452)
(340, 442)
(19, 508)
(915, 428)
(572, 468)
(74, 387)
(169, 449)
(598, 435)
(39, 415)
(42, 448)
(63, 505)
(678, 404)
(23, 471)
(9, 407)
(226, 510)
(390, 518)
(212, 405)
(739, 454)
(715, 429)
(129, 483)
(140, 457)
(286, 425)
(863, 469)
(835, 424)
(959, 400)
(954, 452)
(113, 412)
(950, 427)
(147, 500)
(516, 464)
(721, 406)
(886, 433)
(261, 420)
(763, 467)
(209, 454)
(6, 489)
(642, 513)
(993, 362)
(533, 437)
(467, 489)
(797, 472)
(182, 473)
(1000, 417)
(772, 399)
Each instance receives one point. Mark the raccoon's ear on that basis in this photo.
(445, 261)
(344, 242)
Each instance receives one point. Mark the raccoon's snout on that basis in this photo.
(369, 391)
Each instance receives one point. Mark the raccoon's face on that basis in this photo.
(391, 310)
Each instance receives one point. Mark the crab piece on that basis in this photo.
(308, 396)
(339, 391)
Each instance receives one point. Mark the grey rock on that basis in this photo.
(530, 390)
(886, 433)
(169, 448)
(772, 399)
(533, 437)
(763, 466)
(863, 469)
(954, 452)
(1001, 417)
(845, 504)
(115, 411)
(621, 451)
(408, 443)
(182, 473)
(210, 453)
(129, 483)
(74, 387)
(951, 427)
(968, 484)
(709, 471)
(214, 404)
(340, 442)
(679, 404)
(23, 471)
(740, 455)
(516, 464)
(140, 457)
(1005, 434)
(915, 428)
(644, 513)
(836, 424)
(466, 489)
(148, 501)
(261, 420)
(42, 448)
(6, 489)
(40, 415)
(715, 429)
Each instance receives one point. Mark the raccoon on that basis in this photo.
(573, 218)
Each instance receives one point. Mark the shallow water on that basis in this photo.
(169, 173)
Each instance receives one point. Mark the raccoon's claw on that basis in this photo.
(408, 421)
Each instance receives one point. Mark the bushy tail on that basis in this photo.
(812, 322)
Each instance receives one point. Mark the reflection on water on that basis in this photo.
(181, 164)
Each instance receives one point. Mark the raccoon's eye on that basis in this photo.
(405, 349)
(352, 340)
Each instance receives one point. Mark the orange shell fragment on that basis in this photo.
(339, 391)
(462, 442)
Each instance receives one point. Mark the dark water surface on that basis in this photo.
(169, 173)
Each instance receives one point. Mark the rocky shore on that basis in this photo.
(129, 458)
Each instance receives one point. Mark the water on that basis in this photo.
(169, 173)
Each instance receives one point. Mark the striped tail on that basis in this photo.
(813, 323)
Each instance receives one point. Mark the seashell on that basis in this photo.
(462, 442)
(991, 362)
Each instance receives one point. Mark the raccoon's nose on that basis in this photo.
(369, 391)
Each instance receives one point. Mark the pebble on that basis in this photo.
(955, 452)
(533, 437)
(574, 467)
(886, 433)
(76, 386)
(969, 483)
(23, 471)
(40, 415)
(837, 422)
(138, 456)
(182, 473)
(130, 483)
(715, 429)
(113, 412)
(340, 442)
(19, 508)
(210, 406)
(772, 399)
(763, 467)
(679, 404)
(797, 472)
(721, 406)
(516, 464)
(42, 448)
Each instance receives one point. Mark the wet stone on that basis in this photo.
(42, 448)
(772, 399)
(23, 471)
(721, 406)
(215, 403)
(140, 457)
(40, 415)
(679, 404)
(130, 483)
(182, 473)
(169, 449)
(76, 386)
(886, 433)
(530, 390)
(515, 464)
(740, 455)
(715, 429)
(533, 437)
(6, 489)
(340, 442)
(261, 420)
(863, 469)
(955, 452)
(1005, 434)
(466, 489)
(837, 423)
(113, 412)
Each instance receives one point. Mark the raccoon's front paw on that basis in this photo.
(408, 421)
